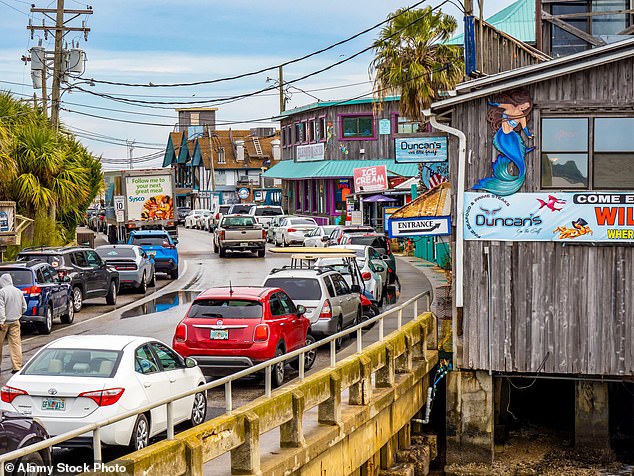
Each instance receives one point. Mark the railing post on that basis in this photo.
(399, 319)
(267, 380)
(170, 420)
(415, 309)
(360, 393)
(302, 362)
(228, 397)
(333, 353)
(428, 300)
(292, 432)
(381, 336)
(329, 412)
(359, 341)
(245, 459)
(96, 445)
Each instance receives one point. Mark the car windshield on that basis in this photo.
(302, 221)
(372, 241)
(20, 277)
(299, 289)
(225, 309)
(241, 208)
(238, 221)
(149, 240)
(74, 363)
(268, 212)
(329, 229)
(53, 260)
(112, 252)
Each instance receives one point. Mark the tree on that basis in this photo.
(412, 60)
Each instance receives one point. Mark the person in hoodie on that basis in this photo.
(12, 306)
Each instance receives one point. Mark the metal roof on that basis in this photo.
(322, 104)
(517, 20)
(289, 169)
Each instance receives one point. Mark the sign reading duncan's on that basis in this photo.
(306, 153)
(419, 226)
(420, 149)
(370, 179)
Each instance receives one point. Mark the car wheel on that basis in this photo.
(140, 434)
(78, 299)
(69, 316)
(199, 409)
(261, 253)
(152, 282)
(47, 326)
(339, 341)
(309, 357)
(33, 460)
(142, 288)
(111, 297)
(174, 274)
(221, 252)
(277, 371)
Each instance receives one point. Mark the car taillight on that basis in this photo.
(32, 291)
(264, 234)
(326, 311)
(261, 333)
(291, 230)
(180, 335)
(367, 276)
(8, 394)
(222, 235)
(103, 398)
(217, 216)
(125, 267)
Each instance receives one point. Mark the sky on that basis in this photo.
(163, 42)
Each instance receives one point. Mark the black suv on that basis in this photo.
(89, 275)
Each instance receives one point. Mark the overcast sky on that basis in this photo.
(162, 41)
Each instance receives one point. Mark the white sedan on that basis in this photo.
(319, 236)
(78, 380)
(191, 220)
(293, 229)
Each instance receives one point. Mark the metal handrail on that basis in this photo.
(224, 381)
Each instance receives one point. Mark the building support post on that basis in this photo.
(592, 423)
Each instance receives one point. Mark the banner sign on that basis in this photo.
(556, 216)
(420, 149)
(306, 153)
(419, 226)
(370, 179)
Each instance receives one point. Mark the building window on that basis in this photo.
(311, 131)
(595, 153)
(299, 133)
(403, 125)
(321, 129)
(221, 156)
(305, 132)
(283, 136)
(357, 126)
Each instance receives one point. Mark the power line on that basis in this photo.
(16, 9)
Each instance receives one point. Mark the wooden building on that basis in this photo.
(542, 300)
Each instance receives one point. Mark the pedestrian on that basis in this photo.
(12, 306)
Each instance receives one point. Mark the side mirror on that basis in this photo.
(355, 288)
(175, 240)
(190, 363)
(300, 310)
(385, 257)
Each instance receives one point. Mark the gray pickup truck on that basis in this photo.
(239, 233)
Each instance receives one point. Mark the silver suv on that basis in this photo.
(331, 304)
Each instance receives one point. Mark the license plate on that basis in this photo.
(219, 335)
(53, 404)
(244, 245)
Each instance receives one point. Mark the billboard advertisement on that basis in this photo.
(150, 198)
(420, 149)
(370, 179)
(568, 217)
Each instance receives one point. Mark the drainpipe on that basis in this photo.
(462, 152)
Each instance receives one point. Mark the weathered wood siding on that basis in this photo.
(380, 148)
(556, 308)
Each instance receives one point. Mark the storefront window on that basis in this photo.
(357, 127)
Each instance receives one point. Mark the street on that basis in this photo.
(158, 312)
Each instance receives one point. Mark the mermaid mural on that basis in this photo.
(507, 118)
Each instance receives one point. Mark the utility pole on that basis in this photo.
(60, 29)
(282, 99)
(130, 144)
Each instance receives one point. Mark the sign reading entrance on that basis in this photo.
(419, 226)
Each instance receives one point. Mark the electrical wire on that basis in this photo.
(263, 70)
(14, 8)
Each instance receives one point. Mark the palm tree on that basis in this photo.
(413, 61)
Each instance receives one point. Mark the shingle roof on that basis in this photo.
(289, 169)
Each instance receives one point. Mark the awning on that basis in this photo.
(291, 170)
(434, 203)
(379, 198)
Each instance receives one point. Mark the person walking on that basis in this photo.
(12, 306)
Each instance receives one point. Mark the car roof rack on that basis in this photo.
(305, 267)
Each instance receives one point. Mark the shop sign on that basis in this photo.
(311, 152)
(567, 217)
(7, 217)
(244, 193)
(419, 226)
(370, 179)
(420, 149)
(385, 127)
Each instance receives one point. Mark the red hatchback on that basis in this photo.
(230, 329)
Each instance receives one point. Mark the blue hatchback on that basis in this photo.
(47, 296)
(159, 245)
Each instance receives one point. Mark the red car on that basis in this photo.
(229, 329)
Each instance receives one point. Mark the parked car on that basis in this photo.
(265, 213)
(239, 233)
(90, 276)
(97, 220)
(241, 208)
(273, 227)
(86, 218)
(182, 212)
(331, 305)
(292, 230)
(161, 247)
(230, 329)
(47, 296)
(216, 217)
(377, 241)
(191, 219)
(78, 380)
(135, 267)
(18, 431)
(337, 233)
(202, 219)
(319, 236)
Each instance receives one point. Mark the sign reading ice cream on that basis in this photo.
(370, 179)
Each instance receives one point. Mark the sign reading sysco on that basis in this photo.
(550, 216)
(419, 226)
(370, 179)
(149, 198)
(420, 149)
